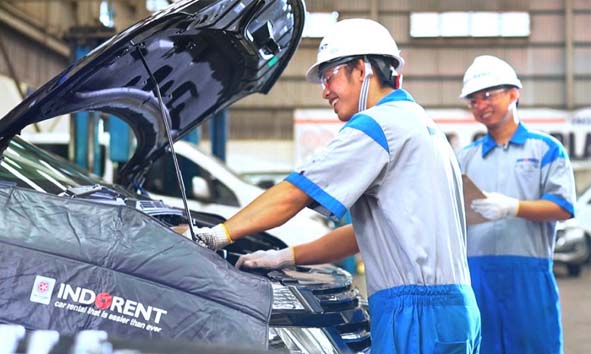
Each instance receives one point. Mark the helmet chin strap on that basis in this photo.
(365, 86)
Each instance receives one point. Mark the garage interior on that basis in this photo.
(551, 54)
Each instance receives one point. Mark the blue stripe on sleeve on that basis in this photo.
(555, 150)
(317, 193)
(561, 202)
(370, 127)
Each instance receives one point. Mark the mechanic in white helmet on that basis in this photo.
(529, 184)
(396, 172)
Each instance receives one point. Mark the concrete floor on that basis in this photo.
(575, 299)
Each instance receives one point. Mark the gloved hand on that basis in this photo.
(271, 259)
(214, 238)
(496, 206)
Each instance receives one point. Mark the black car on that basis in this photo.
(79, 254)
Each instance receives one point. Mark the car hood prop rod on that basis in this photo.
(165, 118)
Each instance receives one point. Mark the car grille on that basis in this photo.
(335, 307)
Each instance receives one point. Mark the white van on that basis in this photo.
(212, 187)
(573, 237)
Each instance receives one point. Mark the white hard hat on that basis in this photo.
(488, 71)
(354, 37)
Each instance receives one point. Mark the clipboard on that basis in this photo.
(471, 192)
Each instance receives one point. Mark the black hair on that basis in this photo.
(385, 69)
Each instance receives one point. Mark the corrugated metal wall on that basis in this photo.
(55, 16)
(33, 32)
(435, 67)
(33, 63)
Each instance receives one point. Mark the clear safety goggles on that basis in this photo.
(484, 97)
(327, 75)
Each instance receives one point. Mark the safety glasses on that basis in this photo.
(328, 74)
(484, 97)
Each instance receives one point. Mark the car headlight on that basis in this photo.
(574, 234)
(568, 239)
(300, 340)
(296, 339)
(560, 240)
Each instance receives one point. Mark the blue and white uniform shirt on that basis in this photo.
(396, 172)
(532, 166)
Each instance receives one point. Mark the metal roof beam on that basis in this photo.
(15, 20)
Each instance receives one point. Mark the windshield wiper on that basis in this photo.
(91, 191)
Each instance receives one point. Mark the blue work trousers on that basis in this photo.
(519, 305)
(415, 319)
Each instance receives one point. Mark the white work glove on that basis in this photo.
(271, 259)
(496, 206)
(214, 238)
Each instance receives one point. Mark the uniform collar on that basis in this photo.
(518, 138)
(396, 95)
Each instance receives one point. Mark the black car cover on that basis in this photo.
(69, 264)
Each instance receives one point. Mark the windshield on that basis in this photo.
(25, 165)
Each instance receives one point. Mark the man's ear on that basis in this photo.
(360, 66)
(515, 94)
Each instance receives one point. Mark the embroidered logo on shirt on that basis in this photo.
(527, 164)
(528, 159)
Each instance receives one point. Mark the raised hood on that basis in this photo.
(203, 54)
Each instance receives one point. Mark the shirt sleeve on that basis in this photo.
(558, 178)
(351, 165)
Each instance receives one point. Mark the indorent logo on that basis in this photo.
(102, 305)
(42, 290)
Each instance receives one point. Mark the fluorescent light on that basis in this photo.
(454, 24)
(515, 24)
(424, 24)
(469, 24)
(485, 24)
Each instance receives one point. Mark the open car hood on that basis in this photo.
(203, 54)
